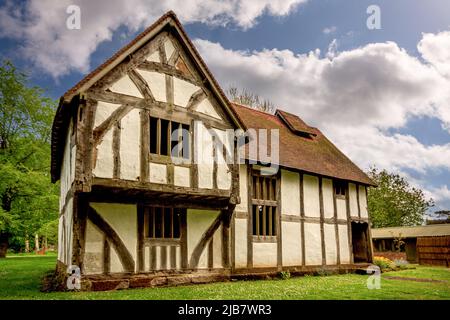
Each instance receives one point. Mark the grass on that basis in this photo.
(20, 278)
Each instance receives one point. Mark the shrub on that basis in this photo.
(384, 263)
(285, 275)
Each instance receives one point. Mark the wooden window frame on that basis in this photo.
(150, 224)
(167, 158)
(340, 189)
(264, 207)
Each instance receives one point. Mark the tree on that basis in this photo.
(27, 198)
(395, 202)
(250, 99)
(438, 217)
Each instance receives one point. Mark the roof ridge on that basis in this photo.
(251, 108)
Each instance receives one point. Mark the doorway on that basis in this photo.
(360, 241)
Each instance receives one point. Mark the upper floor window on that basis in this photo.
(264, 205)
(340, 188)
(169, 138)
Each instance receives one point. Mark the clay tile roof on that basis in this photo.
(313, 153)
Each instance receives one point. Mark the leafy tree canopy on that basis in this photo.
(27, 198)
(395, 202)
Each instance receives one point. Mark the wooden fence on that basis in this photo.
(434, 250)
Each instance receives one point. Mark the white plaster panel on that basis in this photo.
(153, 57)
(158, 173)
(130, 146)
(311, 195)
(93, 256)
(67, 175)
(264, 254)
(203, 155)
(181, 176)
(313, 244)
(352, 200)
(60, 238)
(223, 177)
(217, 248)
(182, 91)
(341, 208)
(123, 219)
(125, 86)
(104, 165)
(328, 194)
(343, 244)
(157, 83)
(103, 111)
(240, 243)
(243, 188)
(198, 221)
(158, 257)
(147, 259)
(291, 244)
(363, 201)
(203, 260)
(114, 263)
(169, 48)
(69, 231)
(178, 262)
(330, 243)
(290, 193)
(206, 107)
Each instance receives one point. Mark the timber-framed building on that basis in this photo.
(134, 214)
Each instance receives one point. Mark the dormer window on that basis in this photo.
(296, 125)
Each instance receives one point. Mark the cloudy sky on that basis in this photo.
(381, 95)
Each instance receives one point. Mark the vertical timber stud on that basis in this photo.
(80, 208)
(349, 223)
(163, 257)
(145, 145)
(140, 238)
(194, 157)
(170, 174)
(211, 253)
(302, 220)
(322, 232)
(226, 215)
(336, 227)
(116, 150)
(106, 256)
(278, 220)
(88, 139)
(250, 217)
(183, 242)
(215, 157)
(233, 243)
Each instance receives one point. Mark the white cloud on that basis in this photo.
(329, 30)
(435, 48)
(41, 25)
(353, 96)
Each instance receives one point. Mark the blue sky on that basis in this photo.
(380, 95)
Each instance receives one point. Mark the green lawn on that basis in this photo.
(20, 278)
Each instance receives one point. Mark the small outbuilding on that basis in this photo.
(421, 244)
